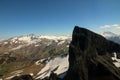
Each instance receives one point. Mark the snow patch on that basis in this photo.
(55, 37)
(8, 78)
(17, 72)
(117, 63)
(42, 61)
(5, 43)
(61, 42)
(36, 45)
(31, 74)
(67, 46)
(59, 65)
(14, 39)
(14, 73)
(18, 47)
(27, 39)
(49, 43)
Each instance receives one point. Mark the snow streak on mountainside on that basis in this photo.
(58, 65)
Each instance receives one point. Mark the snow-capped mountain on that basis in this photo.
(108, 34)
(115, 39)
(36, 38)
(112, 36)
(24, 53)
(31, 39)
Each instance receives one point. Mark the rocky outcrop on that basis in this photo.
(22, 77)
(90, 57)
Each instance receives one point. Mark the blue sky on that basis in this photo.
(57, 17)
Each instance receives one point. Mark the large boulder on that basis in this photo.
(90, 57)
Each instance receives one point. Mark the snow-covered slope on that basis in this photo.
(26, 40)
(59, 65)
(55, 37)
(108, 34)
(115, 39)
(112, 36)
(36, 38)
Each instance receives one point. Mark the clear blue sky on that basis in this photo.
(56, 17)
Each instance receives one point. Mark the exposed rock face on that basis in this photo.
(22, 77)
(90, 57)
(53, 76)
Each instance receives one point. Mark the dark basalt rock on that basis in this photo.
(90, 57)
(22, 77)
(53, 76)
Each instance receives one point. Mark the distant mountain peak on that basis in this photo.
(32, 38)
(108, 34)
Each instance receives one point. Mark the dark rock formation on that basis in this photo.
(53, 76)
(90, 57)
(22, 77)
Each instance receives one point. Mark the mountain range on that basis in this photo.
(38, 55)
(30, 53)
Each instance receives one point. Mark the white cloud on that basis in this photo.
(115, 28)
(115, 25)
(105, 26)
